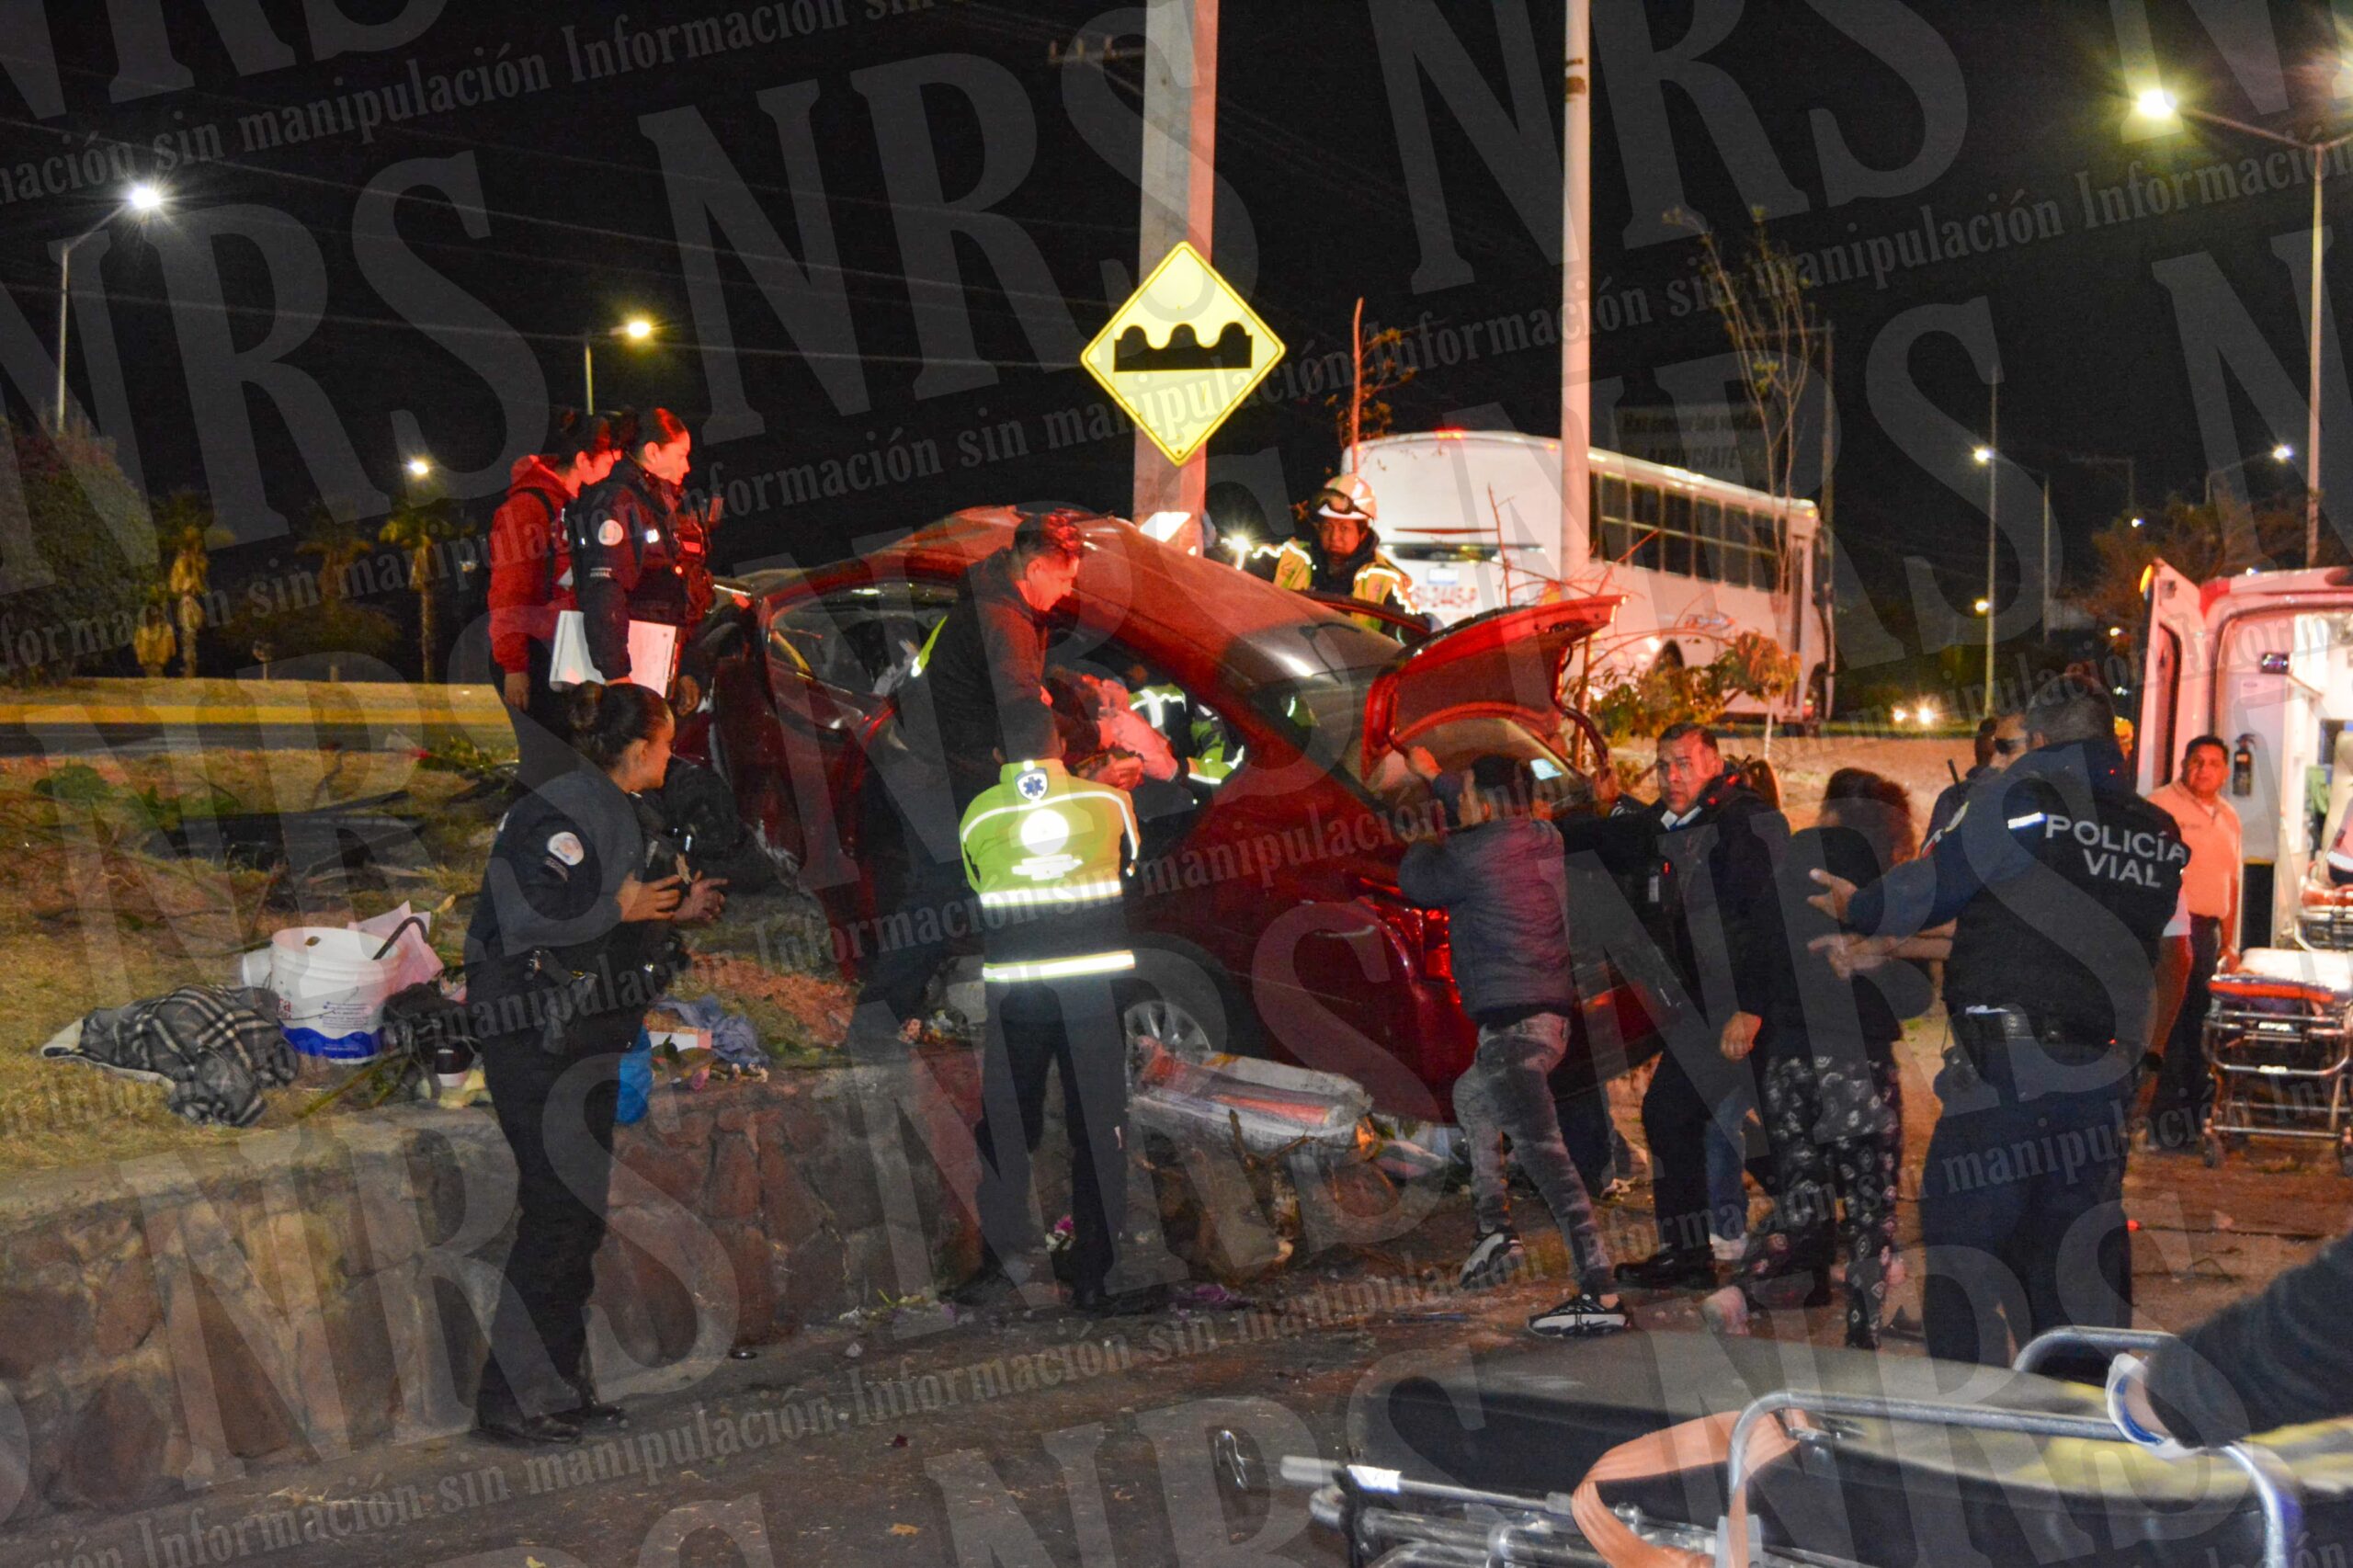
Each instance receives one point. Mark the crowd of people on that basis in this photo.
(2067, 913)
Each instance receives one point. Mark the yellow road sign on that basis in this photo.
(1182, 353)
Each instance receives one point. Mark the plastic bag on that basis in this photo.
(637, 1081)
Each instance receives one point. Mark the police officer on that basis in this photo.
(572, 940)
(531, 585)
(631, 561)
(2065, 891)
(1345, 557)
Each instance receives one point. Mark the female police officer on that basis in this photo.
(570, 941)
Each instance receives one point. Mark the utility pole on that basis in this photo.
(1993, 503)
(1180, 198)
(1576, 285)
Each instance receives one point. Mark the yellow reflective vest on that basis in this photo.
(1047, 853)
(1378, 581)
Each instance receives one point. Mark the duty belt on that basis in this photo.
(1982, 1030)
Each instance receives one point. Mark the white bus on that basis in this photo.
(1475, 518)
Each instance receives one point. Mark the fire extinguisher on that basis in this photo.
(2243, 766)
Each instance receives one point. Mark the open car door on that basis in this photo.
(2177, 674)
(1506, 661)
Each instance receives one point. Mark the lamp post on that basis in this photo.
(637, 329)
(2156, 103)
(1987, 454)
(142, 199)
(2281, 453)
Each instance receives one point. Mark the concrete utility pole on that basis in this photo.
(1577, 286)
(1180, 197)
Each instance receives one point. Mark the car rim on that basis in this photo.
(1177, 1031)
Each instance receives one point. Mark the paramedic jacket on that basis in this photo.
(630, 562)
(2063, 882)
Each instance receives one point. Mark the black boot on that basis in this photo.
(1671, 1269)
(530, 1431)
(591, 1411)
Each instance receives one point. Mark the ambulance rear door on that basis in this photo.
(2177, 674)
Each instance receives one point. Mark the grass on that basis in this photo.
(90, 918)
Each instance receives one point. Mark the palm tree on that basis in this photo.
(337, 545)
(185, 525)
(417, 528)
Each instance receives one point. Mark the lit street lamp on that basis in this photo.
(2279, 454)
(637, 329)
(419, 467)
(143, 199)
(2154, 103)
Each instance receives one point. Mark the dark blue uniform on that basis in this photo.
(631, 561)
(557, 987)
(2064, 883)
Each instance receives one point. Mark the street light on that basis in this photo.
(419, 467)
(2156, 103)
(2279, 454)
(636, 329)
(142, 199)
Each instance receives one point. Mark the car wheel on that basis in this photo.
(1185, 1000)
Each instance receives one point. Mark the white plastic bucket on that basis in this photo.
(331, 990)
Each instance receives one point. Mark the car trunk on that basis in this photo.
(1508, 662)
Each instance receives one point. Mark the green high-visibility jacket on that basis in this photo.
(1047, 854)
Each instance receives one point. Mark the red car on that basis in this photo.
(1265, 912)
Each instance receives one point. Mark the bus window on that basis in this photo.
(1710, 548)
(1617, 520)
(1677, 535)
(1735, 546)
(1593, 547)
(1648, 517)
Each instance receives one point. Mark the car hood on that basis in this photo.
(1507, 660)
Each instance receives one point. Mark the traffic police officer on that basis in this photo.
(570, 941)
(2065, 891)
(632, 559)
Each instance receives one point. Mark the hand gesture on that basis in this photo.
(1848, 954)
(706, 897)
(1740, 1036)
(1834, 901)
(657, 900)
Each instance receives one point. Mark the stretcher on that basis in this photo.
(1624, 1451)
(2279, 1038)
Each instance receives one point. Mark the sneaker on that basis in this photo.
(1494, 1259)
(1617, 1191)
(1728, 1249)
(1581, 1316)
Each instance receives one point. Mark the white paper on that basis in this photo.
(652, 651)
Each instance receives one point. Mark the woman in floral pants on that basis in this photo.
(1833, 1109)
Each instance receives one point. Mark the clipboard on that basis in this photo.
(652, 653)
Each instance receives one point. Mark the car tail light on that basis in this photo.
(1421, 932)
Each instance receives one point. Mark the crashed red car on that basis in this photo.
(1265, 909)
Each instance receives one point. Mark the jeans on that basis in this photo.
(1503, 1095)
(2186, 1082)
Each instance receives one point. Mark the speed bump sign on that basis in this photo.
(1182, 353)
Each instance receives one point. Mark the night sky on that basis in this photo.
(579, 229)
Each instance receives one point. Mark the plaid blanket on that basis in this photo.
(214, 1048)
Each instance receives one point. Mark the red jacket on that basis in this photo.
(528, 559)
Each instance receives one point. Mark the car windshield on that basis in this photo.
(1324, 712)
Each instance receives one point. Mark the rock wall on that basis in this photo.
(166, 1324)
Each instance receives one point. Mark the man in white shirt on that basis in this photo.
(2210, 885)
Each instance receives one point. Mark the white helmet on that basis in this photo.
(1347, 496)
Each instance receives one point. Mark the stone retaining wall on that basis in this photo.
(167, 1322)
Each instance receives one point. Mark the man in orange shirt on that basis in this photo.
(2209, 886)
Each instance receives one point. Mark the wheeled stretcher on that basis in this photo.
(2280, 1038)
(1845, 1460)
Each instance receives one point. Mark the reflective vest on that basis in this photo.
(1046, 852)
(1378, 581)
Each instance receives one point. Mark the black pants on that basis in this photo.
(1071, 1027)
(2021, 1204)
(905, 961)
(1676, 1114)
(542, 736)
(557, 1113)
(2186, 1081)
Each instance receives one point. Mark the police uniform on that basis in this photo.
(1047, 854)
(557, 987)
(632, 558)
(2063, 885)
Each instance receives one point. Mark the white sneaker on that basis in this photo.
(1728, 1249)
(1581, 1316)
(1494, 1259)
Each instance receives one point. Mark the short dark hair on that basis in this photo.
(2071, 707)
(1046, 533)
(1983, 745)
(632, 430)
(1877, 807)
(576, 432)
(1687, 727)
(2217, 741)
